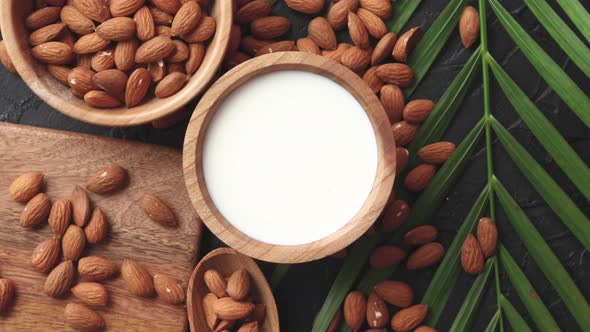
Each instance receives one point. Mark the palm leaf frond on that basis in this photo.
(578, 14)
(514, 318)
(401, 13)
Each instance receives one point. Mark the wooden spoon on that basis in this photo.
(226, 261)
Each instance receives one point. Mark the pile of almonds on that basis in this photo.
(115, 52)
(229, 304)
(90, 226)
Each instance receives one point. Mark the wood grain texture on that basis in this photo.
(226, 261)
(193, 163)
(66, 160)
(60, 97)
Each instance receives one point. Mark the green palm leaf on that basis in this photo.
(468, 310)
(442, 284)
(493, 324)
(401, 13)
(528, 295)
(578, 14)
(545, 259)
(571, 164)
(573, 46)
(557, 79)
(514, 318)
(555, 197)
(278, 274)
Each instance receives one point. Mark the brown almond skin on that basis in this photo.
(76, 21)
(60, 216)
(97, 10)
(91, 43)
(53, 53)
(160, 17)
(157, 210)
(124, 7)
(356, 59)
(252, 10)
(280, 46)
(469, 26)
(355, 308)
(419, 178)
(436, 153)
(320, 30)
(203, 32)
(358, 31)
(80, 206)
(374, 82)
(7, 292)
(138, 85)
(154, 50)
(170, 84)
(417, 110)
(36, 211)
(395, 215)
(406, 43)
(377, 311)
(336, 55)
(180, 54)
(186, 19)
(80, 80)
(46, 34)
(168, 6)
(396, 293)
(420, 235)
(60, 280)
(249, 327)
(26, 186)
(270, 27)
(46, 255)
(396, 73)
(230, 309)
(207, 303)
(103, 60)
(42, 17)
(145, 25)
(404, 132)
(98, 227)
(81, 318)
(157, 70)
(73, 243)
(425, 256)
(374, 24)
(402, 155)
(91, 293)
(381, 8)
(196, 53)
(117, 29)
(60, 73)
(225, 325)
(338, 13)
(383, 48)
(308, 45)
(94, 268)
(101, 99)
(169, 289)
(487, 236)
(424, 328)
(112, 81)
(251, 45)
(409, 318)
(215, 282)
(137, 279)
(306, 6)
(107, 179)
(472, 258)
(238, 285)
(386, 256)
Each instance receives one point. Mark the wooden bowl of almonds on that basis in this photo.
(118, 62)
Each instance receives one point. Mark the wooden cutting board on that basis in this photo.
(68, 159)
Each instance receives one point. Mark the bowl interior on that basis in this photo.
(61, 98)
(193, 162)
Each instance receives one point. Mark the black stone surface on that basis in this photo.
(303, 290)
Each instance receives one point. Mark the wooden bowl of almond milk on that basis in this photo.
(289, 157)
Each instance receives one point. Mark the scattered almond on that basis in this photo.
(321, 32)
(338, 13)
(137, 279)
(374, 82)
(306, 6)
(472, 258)
(396, 73)
(252, 10)
(145, 25)
(270, 27)
(7, 292)
(81, 318)
(436, 153)
(469, 26)
(374, 24)
(358, 32)
(377, 311)
(420, 235)
(107, 179)
(186, 18)
(91, 293)
(73, 243)
(395, 215)
(417, 110)
(80, 206)
(393, 101)
(425, 256)
(355, 308)
(402, 156)
(170, 84)
(336, 55)
(36, 211)
(419, 178)
(357, 59)
(26, 186)
(386, 256)
(409, 318)
(404, 132)
(487, 236)
(97, 228)
(45, 255)
(396, 293)
(280, 46)
(406, 43)
(94, 268)
(169, 289)
(60, 280)
(308, 45)
(381, 8)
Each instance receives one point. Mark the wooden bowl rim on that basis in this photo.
(60, 98)
(257, 278)
(357, 226)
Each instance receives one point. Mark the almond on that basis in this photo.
(97, 10)
(469, 26)
(60, 280)
(168, 6)
(203, 32)
(97, 228)
(338, 13)
(424, 328)
(42, 17)
(383, 48)
(229, 309)
(60, 216)
(180, 53)
(137, 87)
(5, 58)
(124, 55)
(252, 10)
(406, 43)
(7, 292)
(420, 235)
(472, 258)
(101, 99)
(358, 32)
(306, 6)
(207, 303)
(45, 255)
(117, 29)
(186, 19)
(322, 33)
(225, 325)
(157, 210)
(373, 23)
(36, 211)
(125, 7)
(137, 279)
(407, 319)
(144, 24)
(154, 50)
(84, 61)
(236, 59)
(26, 186)
(251, 45)
(215, 282)
(396, 73)
(355, 308)
(404, 132)
(76, 21)
(73, 243)
(425, 256)
(395, 215)
(94, 268)
(90, 43)
(377, 311)
(258, 315)
(169, 289)
(170, 84)
(436, 153)
(487, 236)
(402, 156)
(307, 45)
(280, 46)
(81, 318)
(80, 81)
(393, 101)
(46, 34)
(91, 293)
(238, 285)
(381, 8)
(60, 73)
(112, 81)
(418, 110)
(67, 37)
(53, 53)
(107, 179)
(160, 17)
(80, 206)
(157, 70)
(374, 82)
(396, 293)
(356, 59)
(164, 31)
(103, 60)
(419, 178)
(270, 27)
(386, 256)
(249, 327)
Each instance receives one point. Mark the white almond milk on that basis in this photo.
(290, 157)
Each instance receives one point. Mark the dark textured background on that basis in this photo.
(303, 290)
